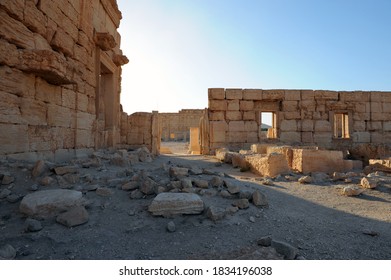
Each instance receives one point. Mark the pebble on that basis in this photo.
(4, 193)
(32, 225)
(12, 198)
(7, 252)
(252, 219)
(7, 180)
(171, 226)
(265, 241)
(33, 187)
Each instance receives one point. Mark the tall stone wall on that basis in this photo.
(359, 121)
(60, 70)
(176, 126)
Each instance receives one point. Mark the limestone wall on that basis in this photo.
(176, 126)
(59, 76)
(355, 120)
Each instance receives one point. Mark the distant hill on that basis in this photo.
(265, 126)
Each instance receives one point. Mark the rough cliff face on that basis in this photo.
(60, 71)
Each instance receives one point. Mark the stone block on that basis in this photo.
(268, 165)
(233, 94)
(307, 137)
(322, 126)
(217, 116)
(252, 137)
(14, 138)
(288, 125)
(359, 126)
(292, 95)
(252, 94)
(326, 95)
(15, 32)
(361, 107)
(237, 136)
(292, 115)
(85, 121)
(377, 137)
(48, 93)
(376, 107)
(375, 125)
(216, 93)
(82, 102)
(10, 108)
(290, 137)
(378, 116)
(323, 138)
(68, 98)
(246, 105)
(84, 139)
(307, 105)
(267, 106)
(16, 82)
(354, 96)
(167, 204)
(249, 116)
(236, 126)
(307, 125)
(274, 94)
(63, 42)
(251, 126)
(14, 8)
(60, 116)
(386, 107)
(361, 116)
(33, 111)
(361, 137)
(290, 106)
(233, 105)
(9, 54)
(307, 95)
(217, 105)
(233, 115)
(309, 160)
(33, 18)
(217, 131)
(260, 148)
(284, 150)
(387, 126)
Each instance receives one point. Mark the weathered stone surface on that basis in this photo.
(7, 180)
(305, 180)
(73, 217)
(39, 168)
(246, 194)
(369, 183)
(265, 241)
(166, 204)
(352, 191)
(216, 181)
(241, 203)
(49, 203)
(136, 194)
(132, 185)
(46, 181)
(102, 191)
(186, 183)
(259, 199)
(65, 170)
(200, 183)
(148, 186)
(285, 249)
(13, 198)
(215, 213)
(7, 252)
(178, 172)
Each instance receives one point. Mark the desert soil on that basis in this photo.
(314, 218)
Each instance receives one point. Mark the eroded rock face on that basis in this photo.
(167, 204)
(49, 203)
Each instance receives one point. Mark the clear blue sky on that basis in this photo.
(180, 48)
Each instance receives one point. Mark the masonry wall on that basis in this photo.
(60, 69)
(302, 117)
(176, 126)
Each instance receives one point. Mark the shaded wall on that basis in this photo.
(176, 126)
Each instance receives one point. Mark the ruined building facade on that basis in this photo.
(176, 126)
(358, 121)
(60, 72)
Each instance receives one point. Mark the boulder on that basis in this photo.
(216, 181)
(215, 213)
(136, 194)
(49, 203)
(39, 168)
(7, 180)
(241, 203)
(352, 191)
(285, 249)
(203, 184)
(32, 225)
(129, 186)
(62, 170)
(148, 186)
(144, 155)
(265, 241)
(369, 183)
(73, 217)
(178, 172)
(166, 204)
(247, 194)
(186, 183)
(102, 191)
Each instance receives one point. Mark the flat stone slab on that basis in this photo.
(49, 203)
(167, 204)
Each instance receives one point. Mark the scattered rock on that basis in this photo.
(247, 194)
(72, 178)
(178, 172)
(120, 161)
(33, 187)
(252, 219)
(102, 191)
(265, 241)
(186, 183)
(259, 199)
(215, 213)
(166, 204)
(268, 182)
(129, 186)
(352, 191)
(12, 198)
(232, 210)
(7, 252)
(224, 155)
(62, 170)
(32, 225)
(369, 183)
(73, 217)
(370, 232)
(171, 226)
(144, 155)
(200, 183)
(39, 168)
(225, 194)
(241, 203)
(7, 180)
(4, 193)
(233, 189)
(195, 171)
(46, 181)
(305, 180)
(216, 181)
(319, 177)
(48, 203)
(132, 212)
(148, 186)
(136, 194)
(338, 176)
(285, 249)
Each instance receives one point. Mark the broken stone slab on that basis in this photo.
(242, 203)
(62, 170)
(195, 171)
(148, 186)
(144, 155)
(225, 194)
(186, 183)
(7, 180)
(352, 191)
(103, 191)
(167, 204)
(247, 194)
(215, 213)
(369, 183)
(285, 249)
(259, 199)
(75, 216)
(136, 194)
(305, 180)
(216, 181)
(49, 203)
(200, 183)
(320, 177)
(129, 186)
